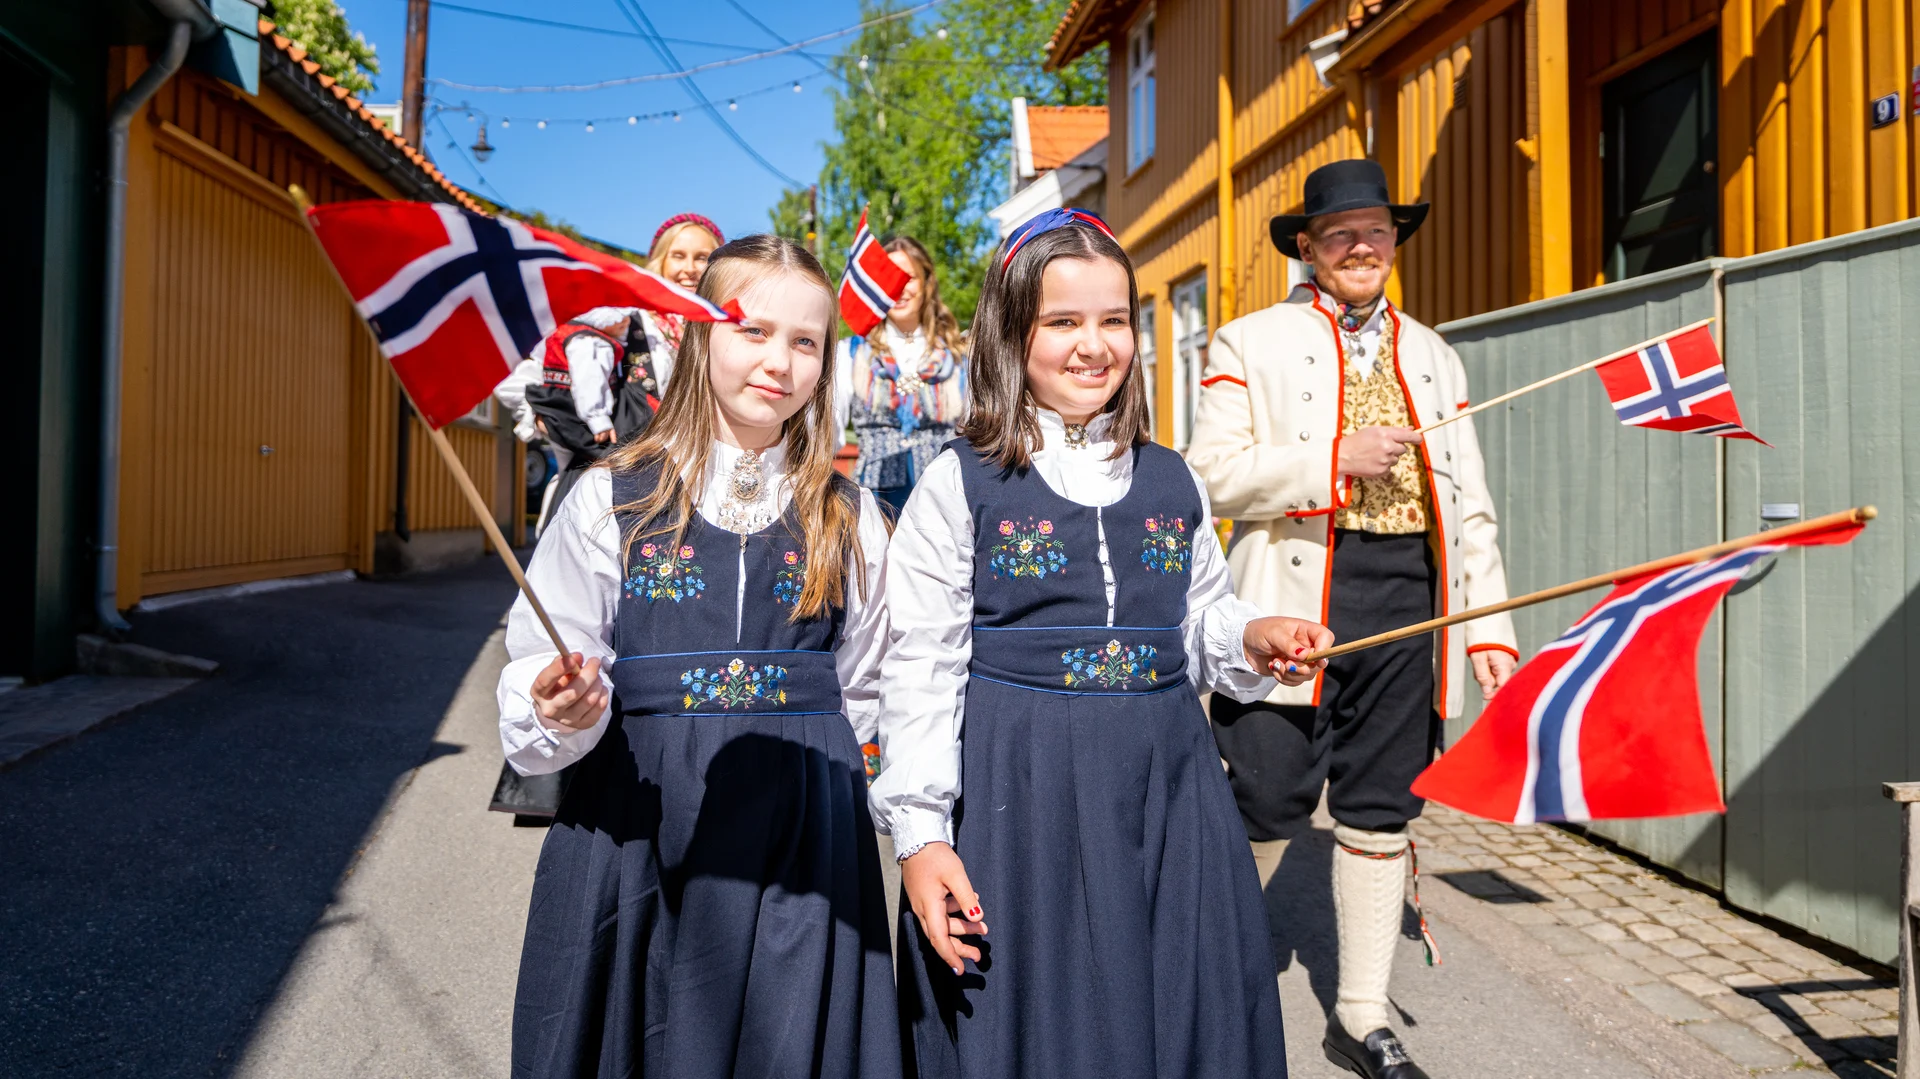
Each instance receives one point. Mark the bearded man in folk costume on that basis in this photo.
(1307, 435)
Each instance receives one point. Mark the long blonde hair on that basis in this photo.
(679, 441)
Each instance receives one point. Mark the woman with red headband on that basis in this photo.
(679, 253)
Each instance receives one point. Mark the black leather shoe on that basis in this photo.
(1380, 1056)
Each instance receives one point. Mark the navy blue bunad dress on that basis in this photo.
(708, 902)
(1128, 937)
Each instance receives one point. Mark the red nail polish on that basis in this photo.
(973, 913)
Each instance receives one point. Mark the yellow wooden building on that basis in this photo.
(1563, 143)
(260, 421)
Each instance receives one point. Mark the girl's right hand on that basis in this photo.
(945, 902)
(570, 700)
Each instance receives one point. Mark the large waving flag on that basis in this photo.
(1604, 722)
(456, 298)
(1675, 384)
(872, 284)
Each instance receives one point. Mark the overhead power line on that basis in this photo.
(683, 73)
(638, 16)
(615, 119)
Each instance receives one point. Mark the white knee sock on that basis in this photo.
(1266, 858)
(1369, 894)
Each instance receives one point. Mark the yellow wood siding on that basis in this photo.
(238, 336)
(250, 391)
(1459, 115)
(1797, 160)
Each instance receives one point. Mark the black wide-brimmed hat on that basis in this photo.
(1336, 188)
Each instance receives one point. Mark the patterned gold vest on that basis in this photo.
(1396, 503)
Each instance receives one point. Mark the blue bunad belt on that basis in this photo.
(787, 682)
(1075, 660)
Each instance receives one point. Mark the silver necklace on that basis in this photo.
(740, 509)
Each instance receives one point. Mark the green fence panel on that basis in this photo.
(1579, 494)
(1823, 346)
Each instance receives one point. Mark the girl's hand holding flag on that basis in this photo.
(569, 694)
(1276, 645)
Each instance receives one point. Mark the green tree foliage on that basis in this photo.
(923, 123)
(320, 27)
(789, 217)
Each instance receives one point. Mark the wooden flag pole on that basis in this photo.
(1858, 515)
(460, 477)
(1551, 379)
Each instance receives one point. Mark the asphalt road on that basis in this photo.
(289, 871)
(162, 872)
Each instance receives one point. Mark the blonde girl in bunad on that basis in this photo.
(1083, 901)
(682, 246)
(903, 387)
(708, 903)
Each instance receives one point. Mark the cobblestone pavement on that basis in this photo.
(1767, 1003)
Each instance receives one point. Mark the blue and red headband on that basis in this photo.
(1047, 221)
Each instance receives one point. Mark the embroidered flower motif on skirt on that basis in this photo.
(1116, 666)
(791, 580)
(665, 572)
(1166, 548)
(1027, 549)
(871, 751)
(733, 686)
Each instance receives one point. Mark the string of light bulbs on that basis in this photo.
(592, 123)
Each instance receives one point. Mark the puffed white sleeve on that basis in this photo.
(659, 353)
(576, 573)
(591, 361)
(842, 391)
(512, 392)
(1216, 621)
(923, 678)
(863, 641)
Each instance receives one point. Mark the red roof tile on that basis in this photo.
(1060, 133)
(354, 105)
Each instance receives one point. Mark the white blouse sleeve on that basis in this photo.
(863, 642)
(842, 391)
(924, 676)
(1217, 620)
(591, 361)
(512, 392)
(576, 573)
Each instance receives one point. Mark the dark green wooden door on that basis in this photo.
(1662, 197)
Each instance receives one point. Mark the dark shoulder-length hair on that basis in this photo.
(1000, 419)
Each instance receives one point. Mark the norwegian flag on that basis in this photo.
(1604, 723)
(456, 298)
(1676, 384)
(872, 284)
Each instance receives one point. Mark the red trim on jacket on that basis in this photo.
(1494, 648)
(1240, 382)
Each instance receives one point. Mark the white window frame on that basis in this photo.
(1148, 353)
(1141, 90)
(1190, 337)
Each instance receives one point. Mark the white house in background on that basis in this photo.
(1059, 159)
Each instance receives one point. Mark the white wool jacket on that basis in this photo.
(1266, 441)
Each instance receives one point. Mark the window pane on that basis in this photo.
(1146, 136)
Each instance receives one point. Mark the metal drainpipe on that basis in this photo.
(113, 302)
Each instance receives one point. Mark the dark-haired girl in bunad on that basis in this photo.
(708, 903)
(1083, 899)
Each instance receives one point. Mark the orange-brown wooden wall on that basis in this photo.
(239, 337)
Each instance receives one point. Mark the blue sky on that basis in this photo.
(619, 181)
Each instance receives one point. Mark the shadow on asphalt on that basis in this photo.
(162, 872)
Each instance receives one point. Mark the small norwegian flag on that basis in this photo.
(1676, 384)
(873, 283)
(1604, 723)
(456, 298)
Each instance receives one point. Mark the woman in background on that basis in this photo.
(903, 387)
(681, 246)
